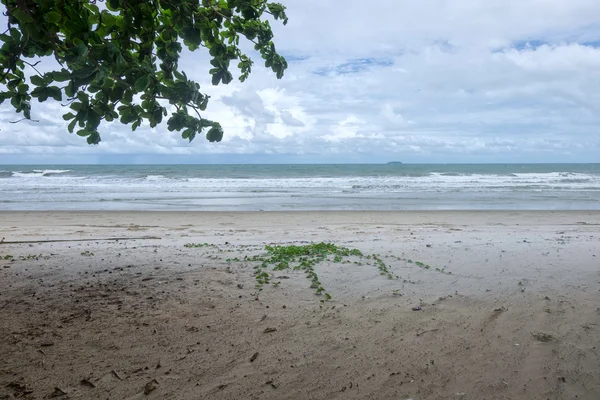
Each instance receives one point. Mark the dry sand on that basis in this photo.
(515, 314)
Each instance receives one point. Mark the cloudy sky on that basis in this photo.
(414, 81)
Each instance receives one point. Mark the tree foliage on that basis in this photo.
(118, 59)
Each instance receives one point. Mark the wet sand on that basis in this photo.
(98, 305)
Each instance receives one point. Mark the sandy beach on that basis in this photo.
(482, 305)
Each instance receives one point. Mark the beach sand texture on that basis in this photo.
(508, 309)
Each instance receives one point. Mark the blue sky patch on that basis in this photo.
(594, 43)
(354, 66)
(533, 44)
(293, 57)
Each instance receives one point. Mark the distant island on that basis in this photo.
(395, 162)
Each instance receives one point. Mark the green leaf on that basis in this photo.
(216, 78)
(53, 17)
(55, 93)
(93, 138)
(23, 18)
(176, 122)
(83, 132)
(214, 134)
(227, 77)
(41, 93)
(4, 96)
(128, 117)
(68, 116)
(15, 101)
(71, 126)
(83, 72)
(83, 97)
(71, 89)
(120, 62)
(178, 75)
(142, 83)
(60, 76)
(77, 106)
(116, 93)
(112, 5)
(37, 80)
(157, 115)
(23, 88)
(82, 49)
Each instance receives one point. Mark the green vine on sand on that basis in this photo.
(306, 257)
(427, 266)
(303, 257)
(383, 269)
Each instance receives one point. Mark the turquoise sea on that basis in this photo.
(301, 187)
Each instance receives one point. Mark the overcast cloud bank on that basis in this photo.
(427, 81)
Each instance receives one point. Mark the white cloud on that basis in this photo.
(430, 81)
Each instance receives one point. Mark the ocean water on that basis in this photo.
(301, 187)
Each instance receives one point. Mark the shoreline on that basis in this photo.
(352, 214)
(507, 305)
(303, 187)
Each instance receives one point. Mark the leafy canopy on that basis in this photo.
(118, 59)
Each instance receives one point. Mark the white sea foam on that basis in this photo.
(154, 178)
(36, 173)
(51, 171)
(430, 182)
(162, 188)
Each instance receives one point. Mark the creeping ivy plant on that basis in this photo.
(118, 59)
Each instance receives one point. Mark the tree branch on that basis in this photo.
(33, 66)
(16, 122)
